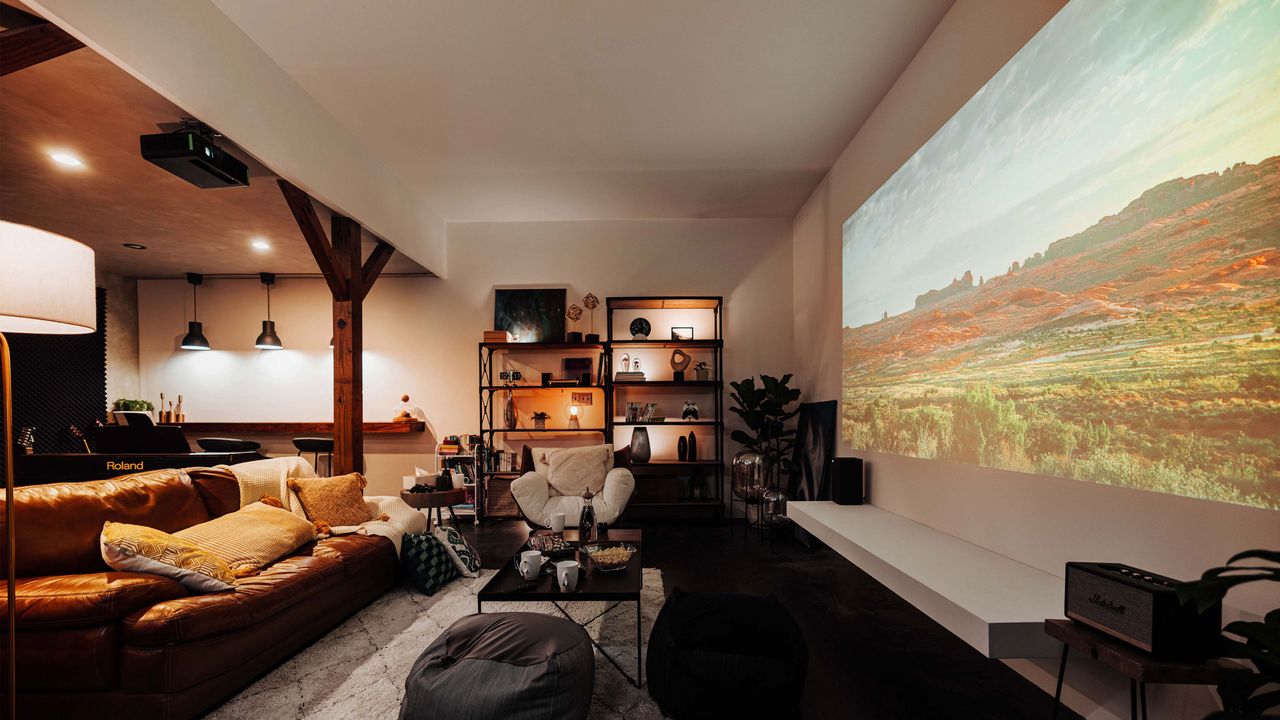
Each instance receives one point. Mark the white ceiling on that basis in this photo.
(590, 109)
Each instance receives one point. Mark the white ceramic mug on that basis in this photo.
(567, 575)
(557, 522)
(530, 564)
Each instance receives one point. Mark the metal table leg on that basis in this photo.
(1062, 672)
(639, 660)
(1133, 699)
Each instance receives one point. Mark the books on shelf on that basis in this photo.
(641, 412)
(628, 376)
(498, 336)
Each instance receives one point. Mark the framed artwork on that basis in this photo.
(681, 333)
(531, 315)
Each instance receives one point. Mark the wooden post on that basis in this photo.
(349, 282)
(348, 347)
(30, 40)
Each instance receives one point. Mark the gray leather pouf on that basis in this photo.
(514, 666)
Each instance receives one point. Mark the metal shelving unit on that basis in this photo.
(686, 507)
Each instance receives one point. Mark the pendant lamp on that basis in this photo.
(268, 340)
(194, 339)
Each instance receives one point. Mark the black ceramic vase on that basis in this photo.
(693, 446)
(640, 450)
(682, 449)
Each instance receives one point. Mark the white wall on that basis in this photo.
(421, 333)
(1038, 520)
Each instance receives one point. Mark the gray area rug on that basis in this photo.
(358, 669)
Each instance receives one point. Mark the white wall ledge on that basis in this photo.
(996, 604)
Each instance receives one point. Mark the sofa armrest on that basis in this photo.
(619, 484)
(531, 492)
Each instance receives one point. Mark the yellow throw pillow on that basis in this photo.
(333, 501)
(135, 548)
(252, 537)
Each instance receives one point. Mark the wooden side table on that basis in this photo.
(437, 500)
(1134, 664)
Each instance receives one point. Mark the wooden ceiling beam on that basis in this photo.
(22, 47)
(373, 266)
(313, 232)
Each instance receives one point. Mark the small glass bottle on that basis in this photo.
(587, 521)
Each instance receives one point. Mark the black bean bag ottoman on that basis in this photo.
(514, 666)
(720, 655)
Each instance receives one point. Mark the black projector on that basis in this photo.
(194, 159)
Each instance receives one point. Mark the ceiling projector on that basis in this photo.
(194, 158)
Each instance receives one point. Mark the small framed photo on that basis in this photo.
(681, 333)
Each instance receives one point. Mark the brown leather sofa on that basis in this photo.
(93, 642)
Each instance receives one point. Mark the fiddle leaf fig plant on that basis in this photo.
(766, 410)
(1247, 696)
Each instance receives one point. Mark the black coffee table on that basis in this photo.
(593, 586)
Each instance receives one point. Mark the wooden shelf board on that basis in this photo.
(667, 343)
(564, 431)
(494, 388)
(325, 428)
(542, 346)
(669, 384)
(663, 303)
(707, 423)
(678, 463)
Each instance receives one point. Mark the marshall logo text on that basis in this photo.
(1106, 603)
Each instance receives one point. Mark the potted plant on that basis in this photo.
(1248, 696)
(766, 411)
(126, 405)
(701, 371)
(540, 420)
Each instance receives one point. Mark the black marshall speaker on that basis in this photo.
(1141, 609)
(848, 483)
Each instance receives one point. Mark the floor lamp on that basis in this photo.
(46, 287)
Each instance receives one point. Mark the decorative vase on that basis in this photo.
(540, 423)
(748, 476)
(682, 449)
(693, 446)
(640, 450)
(697, 485)
(509, 410)
(702, 375)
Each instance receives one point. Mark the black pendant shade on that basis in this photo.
(268, 340)
(194, 339)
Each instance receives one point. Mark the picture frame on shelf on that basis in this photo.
(532, 315)
(682, 333)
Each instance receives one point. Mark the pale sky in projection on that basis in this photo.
(1110, 98)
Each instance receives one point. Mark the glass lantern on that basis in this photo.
(773, 507)
(748, 476)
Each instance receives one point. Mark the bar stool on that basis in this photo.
(317, 446)
(221, 444)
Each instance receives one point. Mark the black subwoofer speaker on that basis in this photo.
(848, 483)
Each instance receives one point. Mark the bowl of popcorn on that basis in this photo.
(609, 557)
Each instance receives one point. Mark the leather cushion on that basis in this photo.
(284, 586)
(64, 601)
(219, 489)
(58, 525)
(68, 661)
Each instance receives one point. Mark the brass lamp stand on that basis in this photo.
(46, 287)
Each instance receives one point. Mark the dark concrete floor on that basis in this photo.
(871, 654)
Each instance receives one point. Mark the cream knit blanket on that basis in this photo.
(271, 477)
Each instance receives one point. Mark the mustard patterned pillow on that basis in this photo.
(135, 548)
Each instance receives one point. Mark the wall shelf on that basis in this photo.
(561, 347)
(669, 384)
(660, 423)
(296, 428)
(710, 344)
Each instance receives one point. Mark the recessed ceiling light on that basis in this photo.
(260, 244)
(66, 158)
(135, 246)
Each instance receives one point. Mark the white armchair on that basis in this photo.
(560, 475)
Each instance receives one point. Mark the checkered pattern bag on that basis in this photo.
(427, 563)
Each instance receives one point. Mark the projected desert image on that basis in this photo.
(1079, 274)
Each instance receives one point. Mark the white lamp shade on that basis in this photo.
(46, 283)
